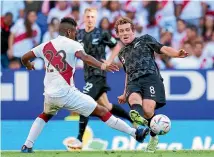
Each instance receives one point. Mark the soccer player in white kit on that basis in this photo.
(60, 56)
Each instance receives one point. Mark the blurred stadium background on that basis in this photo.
(189, 82)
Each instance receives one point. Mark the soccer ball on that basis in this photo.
(160, 124)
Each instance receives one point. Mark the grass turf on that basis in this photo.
(110, 154)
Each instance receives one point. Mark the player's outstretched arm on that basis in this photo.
(26, 60)
(95, 63)
(115, 52)
(122, 98)
(171, 52)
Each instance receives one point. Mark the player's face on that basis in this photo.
(126, 33)
(90, 18)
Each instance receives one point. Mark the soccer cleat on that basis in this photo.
(152, 145)
(141, 134)
(25, 149)
(137, 118)
(75, 144)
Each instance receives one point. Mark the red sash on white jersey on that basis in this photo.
(56, 60)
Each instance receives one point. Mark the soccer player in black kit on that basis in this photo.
(144, 88)
(95, 41)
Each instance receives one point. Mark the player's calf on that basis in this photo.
(35, 130)
(119, 124)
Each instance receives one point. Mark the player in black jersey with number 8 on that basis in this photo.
(144, 89)
(95, 41)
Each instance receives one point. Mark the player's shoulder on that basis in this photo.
(147, 38)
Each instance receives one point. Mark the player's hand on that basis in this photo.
(122, 99)
(30, 66)
(183, 53)
(112, 67)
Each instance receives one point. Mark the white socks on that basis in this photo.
(119, 124)
(35, 130)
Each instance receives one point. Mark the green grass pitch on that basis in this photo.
(110, 154)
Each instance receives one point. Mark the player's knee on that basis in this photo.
(45, 117)
(149, 109)
(135, 98)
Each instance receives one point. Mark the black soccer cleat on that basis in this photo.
(141, 134)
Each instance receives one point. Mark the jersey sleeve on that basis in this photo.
(38, 50)
(109, 40)
(154, 44)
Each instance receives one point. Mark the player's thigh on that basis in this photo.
(51, 106)
(95, 87)
(80, 103)
(103, 100)
(133, 93)
(153, 91)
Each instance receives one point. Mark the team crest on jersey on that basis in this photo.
(95, 41)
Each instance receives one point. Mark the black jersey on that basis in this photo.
(94, 43)
(138, 57)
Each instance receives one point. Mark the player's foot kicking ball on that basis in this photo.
(152, 145)
(141, 133)
(25, 149)
(137, 118)
(75, 144)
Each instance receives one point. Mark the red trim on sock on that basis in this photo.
(45, 117)
(106, 117)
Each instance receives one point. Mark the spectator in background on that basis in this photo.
(33, 5)
(55, 22)
(25, 34)
(190, 11)
(208, 28)
(166, 36)
(15, 7)
(50, 34)
(192, 34)
(6, 23)
(61, 10)
(14, 64)
(105, 24)
(208, 50)
(75, 14)
(165, 15)
(179, 35)
(196, 60)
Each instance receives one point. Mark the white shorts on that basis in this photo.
(74, 101)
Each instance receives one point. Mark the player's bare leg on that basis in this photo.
(136, 113)
(149, 112)
(114, 109)
(35, 131)
(148, 106)
(118, 124)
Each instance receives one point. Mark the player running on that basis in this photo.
(95, 41)
(60, 57)
(144, 88)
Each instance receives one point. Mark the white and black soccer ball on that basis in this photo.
(160, 124)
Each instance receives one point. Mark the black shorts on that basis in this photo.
(96, 86)
(150, 87)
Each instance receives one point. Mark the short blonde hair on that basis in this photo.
(123, 20)
(90, 10)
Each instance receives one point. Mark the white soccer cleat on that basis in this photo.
(75, 144)
(152, 145)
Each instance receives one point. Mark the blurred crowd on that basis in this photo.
(180, 24)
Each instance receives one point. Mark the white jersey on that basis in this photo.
(60, 61)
